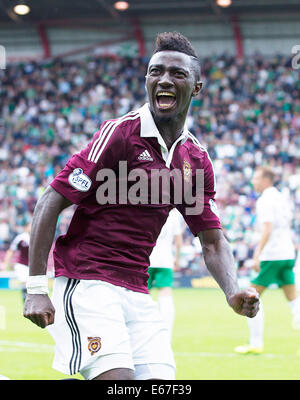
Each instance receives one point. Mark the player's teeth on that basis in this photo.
(166, 94)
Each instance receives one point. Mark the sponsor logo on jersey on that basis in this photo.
(145, 156)
(94, 344)
(79, 180)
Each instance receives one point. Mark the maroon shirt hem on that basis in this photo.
(104, 279)
(206, 228)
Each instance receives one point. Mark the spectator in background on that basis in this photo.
(274, 256)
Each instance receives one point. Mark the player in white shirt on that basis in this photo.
(274, 257)
(19, 245)
(163, 258)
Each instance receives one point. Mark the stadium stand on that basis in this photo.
(54, 109)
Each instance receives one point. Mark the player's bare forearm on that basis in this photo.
(38, 307)
(220, 263)
(219, 260)
(43, 229)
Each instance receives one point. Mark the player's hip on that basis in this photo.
(97, 319)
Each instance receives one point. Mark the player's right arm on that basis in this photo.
(104, 151)
(7, 259)
(38, 307)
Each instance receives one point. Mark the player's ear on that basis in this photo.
(197, 88)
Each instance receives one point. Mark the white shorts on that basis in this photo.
(99, 327)
(22, 272)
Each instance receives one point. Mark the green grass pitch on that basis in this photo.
(206, 331)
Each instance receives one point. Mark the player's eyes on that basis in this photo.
(180, 74)
(176, 73)
(154, 71)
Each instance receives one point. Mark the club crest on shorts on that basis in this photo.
(94, 344)
(187, 170)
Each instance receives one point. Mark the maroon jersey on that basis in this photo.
(112, 242)
(21, 245)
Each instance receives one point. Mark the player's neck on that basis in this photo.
(170, 130)
(267, 187)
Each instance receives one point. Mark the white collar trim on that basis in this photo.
(149, 128)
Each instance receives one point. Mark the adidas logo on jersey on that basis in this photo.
(145, 156)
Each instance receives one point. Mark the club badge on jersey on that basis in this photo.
(79, 180)
(186, 170)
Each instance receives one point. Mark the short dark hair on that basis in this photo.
(175, 41)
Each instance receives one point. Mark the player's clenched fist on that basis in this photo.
(245, 302)
(39, 309)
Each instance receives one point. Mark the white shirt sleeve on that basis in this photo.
(14, 243)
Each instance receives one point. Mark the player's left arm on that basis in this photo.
(220, 263)
(178, 245)
(266, 233)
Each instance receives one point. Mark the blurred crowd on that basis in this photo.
(248, 114)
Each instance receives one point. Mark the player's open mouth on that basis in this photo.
(165, 100)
